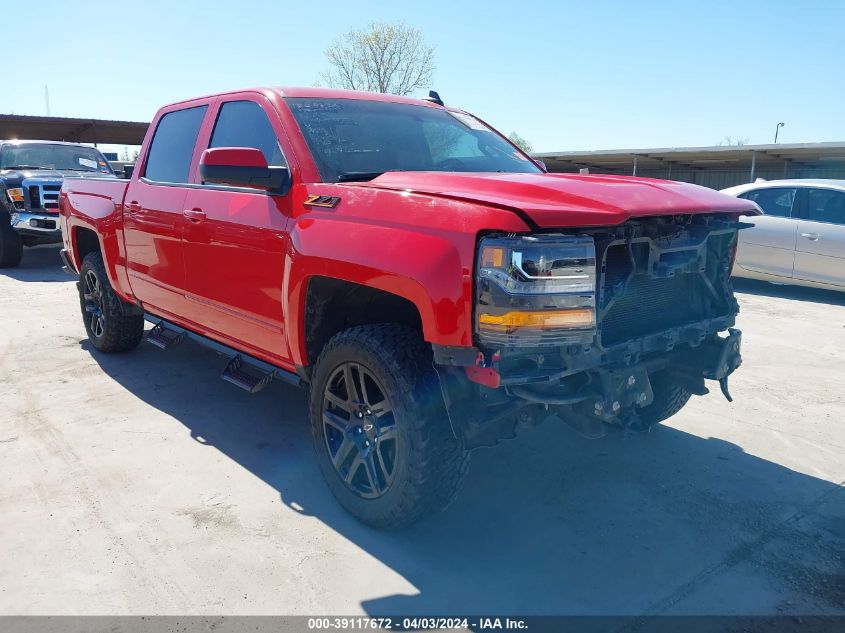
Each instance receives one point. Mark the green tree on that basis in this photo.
(521, 142)
(383, 57)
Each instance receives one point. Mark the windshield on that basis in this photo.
(51, 156)
(353, 139)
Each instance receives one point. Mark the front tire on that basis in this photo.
(380, 428)
(11, 247)
(108, 326)
(669, 398)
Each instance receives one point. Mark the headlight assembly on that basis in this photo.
(535, 290)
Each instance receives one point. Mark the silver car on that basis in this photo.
(800, 239)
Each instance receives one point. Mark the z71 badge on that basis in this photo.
(315, 200)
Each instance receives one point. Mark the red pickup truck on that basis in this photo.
(432, 286)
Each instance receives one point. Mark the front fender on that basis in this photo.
(431, 270)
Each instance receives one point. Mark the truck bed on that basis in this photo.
(94, 197)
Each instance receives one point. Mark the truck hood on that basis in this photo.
(562, 200)
(20, 174)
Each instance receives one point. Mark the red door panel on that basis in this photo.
(234, 247)
(153, 209)
(152, 220)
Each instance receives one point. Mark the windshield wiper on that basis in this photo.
(26, 167)
(358, 176)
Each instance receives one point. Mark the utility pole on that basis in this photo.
(777, 129)
(47, 99)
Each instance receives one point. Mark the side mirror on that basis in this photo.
(127, 171)
(242, 167)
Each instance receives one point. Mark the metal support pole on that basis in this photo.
(634, 173)
(785, 168)
(753, 165)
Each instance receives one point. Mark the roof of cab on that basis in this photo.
(318, 93)
(335, 93)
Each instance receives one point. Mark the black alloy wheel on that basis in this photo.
(359, 429)
(112, 324)
(380, 428)
(93, 304)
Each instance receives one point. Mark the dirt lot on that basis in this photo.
(142, 484)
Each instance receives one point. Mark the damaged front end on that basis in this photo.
(580, 324)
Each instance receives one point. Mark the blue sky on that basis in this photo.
(565, 75)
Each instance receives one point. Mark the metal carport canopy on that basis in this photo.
(46, 128)
(720, 156)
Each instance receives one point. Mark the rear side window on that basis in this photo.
(826, 205)
(245, 124)
(777, 201)
(173, 145)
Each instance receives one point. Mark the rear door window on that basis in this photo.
(826, 205)
(776, 201)
(173, 144)
(245, 124)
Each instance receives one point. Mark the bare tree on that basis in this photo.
(734, 141)
(521, 142)
(126, 157)
(392, 58)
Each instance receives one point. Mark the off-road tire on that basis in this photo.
(669, 398)
(121, 332)
(431, 464)
(11, 246)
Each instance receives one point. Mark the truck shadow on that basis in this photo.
(783, 291)
(548, 523)
(40, 263)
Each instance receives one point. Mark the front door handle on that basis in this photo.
(194, 215)
(133, 207)
(813, 237)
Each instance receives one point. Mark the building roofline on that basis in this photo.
(72, 129)
(828, 145)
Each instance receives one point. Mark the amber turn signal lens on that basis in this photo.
(545, 320)
(492, 257)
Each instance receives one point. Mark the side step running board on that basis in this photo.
(163, 338)
(244, 371)
(249, 378)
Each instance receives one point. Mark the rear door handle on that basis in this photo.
(133, 207)
(813, 237)
(194, 215)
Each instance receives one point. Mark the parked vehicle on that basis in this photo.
(31, 174)
(800, 239)
(427, 281)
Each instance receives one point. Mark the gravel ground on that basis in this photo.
(142, 484)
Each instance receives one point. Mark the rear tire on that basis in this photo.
(108, 326)
(385, 448)
(11, 247)
(669, 398)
